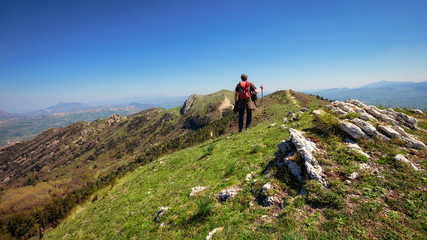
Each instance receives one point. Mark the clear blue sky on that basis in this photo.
(93, 50)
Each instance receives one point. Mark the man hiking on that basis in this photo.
(243, 100)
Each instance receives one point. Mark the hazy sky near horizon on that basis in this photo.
(94, 50)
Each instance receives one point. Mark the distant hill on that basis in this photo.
(383, 93)
(25, 127)
(60, 108)
(6, 115)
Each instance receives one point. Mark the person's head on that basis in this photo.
(244, 77)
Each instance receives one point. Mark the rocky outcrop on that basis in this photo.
(298, 143)
(188, 103)
(305, 149)
(114, 119)
(361, 128)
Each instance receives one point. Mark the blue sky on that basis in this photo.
(94, 50)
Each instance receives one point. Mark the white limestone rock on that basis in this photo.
(400, 157)
(318, 113)
(352, 130)
(358, 149)
(196, 190)
(357, 103)
(365, 126)
(212, 233)
(294, 169)
(228, 194)
(305, 149)
(417, 111)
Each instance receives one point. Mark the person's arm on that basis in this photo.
(259, 89)
(236, 94)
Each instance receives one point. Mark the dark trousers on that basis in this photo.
(248, 118)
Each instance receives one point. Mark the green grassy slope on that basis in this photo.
(389, 204)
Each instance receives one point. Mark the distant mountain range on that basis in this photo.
(21, 127)
(382, 93)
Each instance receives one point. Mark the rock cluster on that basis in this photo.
(114, 119)
(361, 128)
(298, 143)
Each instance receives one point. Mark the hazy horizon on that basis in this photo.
(98, 51)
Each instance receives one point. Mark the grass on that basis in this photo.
(385, 202)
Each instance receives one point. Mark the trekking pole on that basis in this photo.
(262, 96)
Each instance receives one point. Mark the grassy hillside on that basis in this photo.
(386, 203)
(43, 178)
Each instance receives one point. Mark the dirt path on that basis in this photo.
(292, 98)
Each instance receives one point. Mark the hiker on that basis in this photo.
(243, 100)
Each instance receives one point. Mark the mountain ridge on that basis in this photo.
(383, 93)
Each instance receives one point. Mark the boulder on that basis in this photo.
(318, 112)
(365, 126)
(379, 115)
(358, 149)
(352, 130)
(364, 115)
(293, 168)
(389, 131)
(356, 103)
(417, 111)
(400, 157)
(284, 146)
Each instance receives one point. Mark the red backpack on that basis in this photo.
(244, 89)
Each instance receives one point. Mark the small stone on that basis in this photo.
(273, 124)
(160, 213)
(248, 177)
(196, 190)
(265, 187)
(318, 113)
(282, 204)
(210, 235)
(400, 157)
(364, 166)
(162, 225)
(227, 138)
(285, 120)
(304, 109)
(227, 194)
(283, 126)
(268, 201)
(347, 182)
(353, 176)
